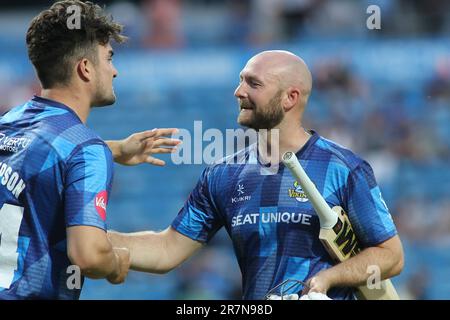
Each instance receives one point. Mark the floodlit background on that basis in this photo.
(383, 93)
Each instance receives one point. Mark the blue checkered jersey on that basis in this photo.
(272, 224)
(54, 173)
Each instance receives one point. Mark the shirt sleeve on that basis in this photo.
(88, 185)
(199, 218)
(366, 208)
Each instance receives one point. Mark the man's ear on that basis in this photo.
(291, 98)
(84, 69)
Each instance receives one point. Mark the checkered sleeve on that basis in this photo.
(88, 185)
(366, 207)
(198, 219)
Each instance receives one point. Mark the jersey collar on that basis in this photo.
(311, 141)
(53, 103)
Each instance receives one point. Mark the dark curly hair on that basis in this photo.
(53, 47)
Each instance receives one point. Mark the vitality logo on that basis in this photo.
(101, 200)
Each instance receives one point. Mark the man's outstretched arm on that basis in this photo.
(155, 252)
(139, 147)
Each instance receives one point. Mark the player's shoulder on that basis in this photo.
(62, 122)
(79, 139)
(51, 125)
(71, 137)
(336, 153)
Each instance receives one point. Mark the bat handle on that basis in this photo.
(326, 216)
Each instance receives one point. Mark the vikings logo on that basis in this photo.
(297, 193)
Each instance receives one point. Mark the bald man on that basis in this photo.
(272, 225)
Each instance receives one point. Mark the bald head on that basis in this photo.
(273, 84)
(287, 68)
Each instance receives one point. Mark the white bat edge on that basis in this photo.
(327, 217)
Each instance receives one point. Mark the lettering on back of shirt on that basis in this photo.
(11, 180)
(13, 144)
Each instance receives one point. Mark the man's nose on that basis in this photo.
(240, 92)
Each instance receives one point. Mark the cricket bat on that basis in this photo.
(336, 232)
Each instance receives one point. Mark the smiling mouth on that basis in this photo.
(246, 107)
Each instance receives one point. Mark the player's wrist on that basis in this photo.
(328, 278)
(116, 147)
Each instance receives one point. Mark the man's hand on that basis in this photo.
(318, 283)
(139, 147)
(123, 265)
(315, 296)
(292, 296)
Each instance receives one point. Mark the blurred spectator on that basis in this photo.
(416, 286)
(13, 94)
(438, 88)
(209, 277)
(266, 24)
(421, 221)
(165, 30)
(239, 21)
(295, 13)
(437, 91)
(334, 75)
(433, 14)
(131, 17)
(327, 18)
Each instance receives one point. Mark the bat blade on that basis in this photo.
(336, 231)
(340, 241)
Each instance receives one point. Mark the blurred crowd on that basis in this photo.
(402, 129)
(175, 23)
(404, 135)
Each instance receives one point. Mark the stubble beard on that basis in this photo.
(104, 97)
(266, 117)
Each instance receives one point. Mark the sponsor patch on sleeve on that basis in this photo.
(101, 200)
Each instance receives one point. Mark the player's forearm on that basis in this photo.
(90, 249)
(148, 252)
(357, 270)
(106, 266)
(99, 263)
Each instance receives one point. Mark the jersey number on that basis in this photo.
(10, 221)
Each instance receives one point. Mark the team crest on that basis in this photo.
(297, 193)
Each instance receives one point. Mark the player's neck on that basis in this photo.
(293, 137)
(77, 102)
(286, 137)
